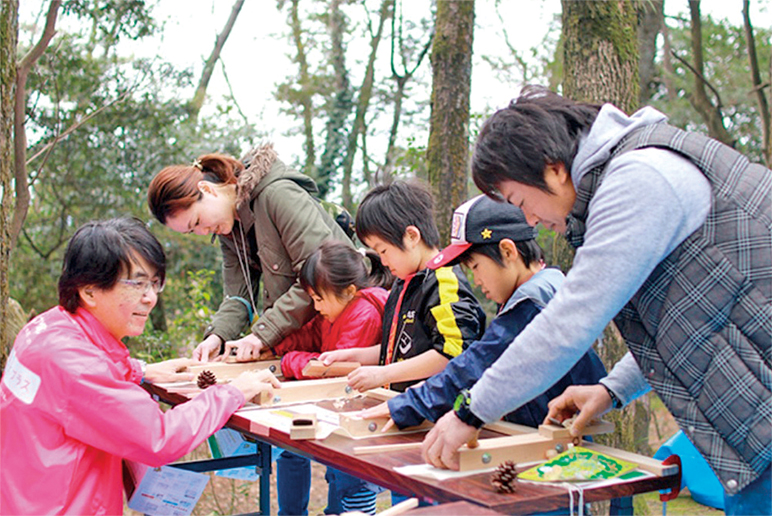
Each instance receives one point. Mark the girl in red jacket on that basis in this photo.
(350, 303)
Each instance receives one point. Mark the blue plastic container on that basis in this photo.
(697, 475)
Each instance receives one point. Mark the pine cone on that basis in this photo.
(206, 379)
(504, 478)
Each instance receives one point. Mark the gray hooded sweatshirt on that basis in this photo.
(650, 201)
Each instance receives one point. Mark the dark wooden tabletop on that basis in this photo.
(338, 451)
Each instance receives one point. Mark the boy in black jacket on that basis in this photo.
(431, 314)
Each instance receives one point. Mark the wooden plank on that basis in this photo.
(357, 427)
(561, 432)
(645, 463)
(317, 369)
(386, 448)
(379, 393)
(307, 390)
(507, 428)
(223, 371)
(519, 448)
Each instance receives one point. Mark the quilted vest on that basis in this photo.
(700, 327)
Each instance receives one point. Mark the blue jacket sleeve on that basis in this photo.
(435, 397)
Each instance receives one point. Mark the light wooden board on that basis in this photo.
(307, 390)
(317, 369)
(559, 431)
(491, 452)
(357, 427)
(224, 371)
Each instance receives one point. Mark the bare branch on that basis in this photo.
(20, 138)
(206, 75)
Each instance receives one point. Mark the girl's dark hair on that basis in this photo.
(175, 187)
(529, 251)
(335, 265)
(100, 251)
(387, 211)
(518, 142)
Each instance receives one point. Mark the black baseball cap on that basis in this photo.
(482, 220)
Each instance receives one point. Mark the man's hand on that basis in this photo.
(366, 378)
(208, 349)
(591, 401)
(252, 383)
(440, 447)
(247, 348)
(169, 371)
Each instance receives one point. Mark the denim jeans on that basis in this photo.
(293, 483)
(755, 499)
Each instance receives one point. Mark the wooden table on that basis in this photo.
(337, 451)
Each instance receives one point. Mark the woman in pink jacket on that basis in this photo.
(71, 404)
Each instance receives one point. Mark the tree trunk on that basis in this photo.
(306, 102)
(651, 17)
(9, 33)
(363, 102)
(710, 112)
(601, 65)
(448, 149)
(600, 61)
(206, 75)
(758, 87)
(342, 105)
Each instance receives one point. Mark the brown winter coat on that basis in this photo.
(279, 225)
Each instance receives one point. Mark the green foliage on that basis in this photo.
(727, 70)
(189, 319)
(130, 119)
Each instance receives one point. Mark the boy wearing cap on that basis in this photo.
(431, 315)
(497, 244)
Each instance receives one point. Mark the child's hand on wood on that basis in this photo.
(379, 411)
(366, 378)
(339, 355)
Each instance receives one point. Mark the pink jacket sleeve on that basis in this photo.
(120, 417)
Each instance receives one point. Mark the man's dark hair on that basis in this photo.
(529, 251)
(518, 142)
(100, 251)
(387, 211)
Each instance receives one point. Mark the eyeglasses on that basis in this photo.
(143, 286)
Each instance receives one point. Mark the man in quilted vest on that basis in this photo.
(673, 232)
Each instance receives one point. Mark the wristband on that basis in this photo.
(463, 410)
(615, 401)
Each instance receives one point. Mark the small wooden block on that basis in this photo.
(560, 432)
(225, 371)
(303, 427)
(317, 369)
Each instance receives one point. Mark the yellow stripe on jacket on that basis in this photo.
(443, 313)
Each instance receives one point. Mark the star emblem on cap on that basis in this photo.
(486, 233)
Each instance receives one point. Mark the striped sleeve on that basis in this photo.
(458, 318)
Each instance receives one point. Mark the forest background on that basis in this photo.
(98, 95)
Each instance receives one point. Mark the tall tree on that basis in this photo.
(711, 112)
(20, 138)
(363, 102)
(600, 52)
(342, 104)
(651, 18)
(600, 62)
(9, 33)
(447, 153)
(401, 78)
(206, 75)
(758, 86)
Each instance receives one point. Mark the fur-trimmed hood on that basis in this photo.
(262, 167)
